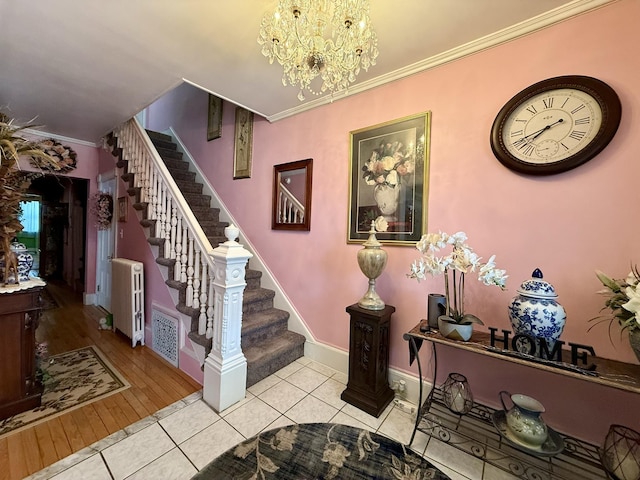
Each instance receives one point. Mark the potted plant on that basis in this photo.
(14, 182)
(623, 303)
(455, 265)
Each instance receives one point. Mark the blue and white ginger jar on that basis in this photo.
(25, 262)
(535, 311)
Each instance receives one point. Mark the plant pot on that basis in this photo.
(455, 331)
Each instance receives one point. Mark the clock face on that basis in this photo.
(555, 125)
(552, 126)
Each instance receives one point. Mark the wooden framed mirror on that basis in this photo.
(292, 195)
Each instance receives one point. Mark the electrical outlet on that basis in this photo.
(404, 406)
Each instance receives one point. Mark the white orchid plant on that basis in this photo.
(623, 300)
(460, 261)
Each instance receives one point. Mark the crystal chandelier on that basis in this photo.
(295, 36)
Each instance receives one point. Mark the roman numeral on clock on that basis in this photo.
(577, 135)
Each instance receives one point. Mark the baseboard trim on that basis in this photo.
(339, 360)
(89, 299)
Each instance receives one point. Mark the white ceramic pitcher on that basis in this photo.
(523, 419)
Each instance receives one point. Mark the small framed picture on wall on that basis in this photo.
(123, 208)
(214, 123)
(243, 143)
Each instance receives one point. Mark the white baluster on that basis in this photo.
(156, 198)
(190, 269)
(144, 192)
(167, 226)
(203, 320)
(195, 301)
(162, 214)
(176, 240)
(184, 252)
(210, 301)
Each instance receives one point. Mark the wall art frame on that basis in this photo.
(243, 143)
(388, 180)
(123, 209)
(214, 118)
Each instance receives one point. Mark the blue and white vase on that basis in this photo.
(535, 311)
(25, 262)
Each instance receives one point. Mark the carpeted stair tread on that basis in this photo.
(175, 164)
(197, 199)
(262, 325)
(163, 137)
(183, 176)
(189, 187)
(257, 299)
(272, 355)
(168, 153)
(252, 277)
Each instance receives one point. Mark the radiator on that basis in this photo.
(127, 298)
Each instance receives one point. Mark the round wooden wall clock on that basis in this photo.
(555, 125)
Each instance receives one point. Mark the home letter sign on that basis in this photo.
(538, 347)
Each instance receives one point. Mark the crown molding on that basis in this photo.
(552, 17)
(60, 138)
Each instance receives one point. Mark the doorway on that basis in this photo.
(59, 237)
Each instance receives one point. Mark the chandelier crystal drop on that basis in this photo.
(331, 39)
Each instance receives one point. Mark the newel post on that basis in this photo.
(225, 368)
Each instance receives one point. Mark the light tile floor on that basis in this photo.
(181, 439)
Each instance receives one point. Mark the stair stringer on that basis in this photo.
(281, 300)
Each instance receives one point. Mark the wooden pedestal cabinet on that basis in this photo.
(19, 316)
(368, 385)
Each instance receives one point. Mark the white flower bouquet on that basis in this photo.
(460, 261)
(623, 300)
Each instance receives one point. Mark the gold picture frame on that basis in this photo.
(123, 209)
(388, 180)
(243, 143)
(214, 123)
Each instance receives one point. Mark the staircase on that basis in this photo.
(266, 342)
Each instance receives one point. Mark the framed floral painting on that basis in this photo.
(388, 175)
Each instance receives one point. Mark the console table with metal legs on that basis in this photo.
(475, 434)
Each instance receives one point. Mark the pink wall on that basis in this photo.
(568, 224)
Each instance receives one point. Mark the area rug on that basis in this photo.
(72, 380)
(319, 450)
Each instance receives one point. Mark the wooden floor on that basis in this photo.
(154, 384)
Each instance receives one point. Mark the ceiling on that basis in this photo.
(82, 68)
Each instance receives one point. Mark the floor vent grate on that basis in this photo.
(165, 336)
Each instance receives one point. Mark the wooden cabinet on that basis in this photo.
(19, 315)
